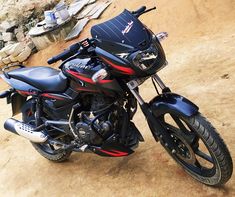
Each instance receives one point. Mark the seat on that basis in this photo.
(44, 78)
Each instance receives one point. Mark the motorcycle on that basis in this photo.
(89, 104)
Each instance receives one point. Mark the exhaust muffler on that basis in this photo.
(25, 130)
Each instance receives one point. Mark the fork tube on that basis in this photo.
(137, 96)
(132, 85)
(159, 81)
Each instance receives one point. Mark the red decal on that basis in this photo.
(25, 92)
(103, 81)
(75, 74)
(114, 153)
(29, 113)
(86, 89)
(125, 70)
(52, 96)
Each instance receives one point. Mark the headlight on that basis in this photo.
(145, 59)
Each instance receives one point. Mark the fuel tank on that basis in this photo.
(80, 71)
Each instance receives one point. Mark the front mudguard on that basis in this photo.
(174, 104)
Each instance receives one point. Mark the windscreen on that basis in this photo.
(125, 29)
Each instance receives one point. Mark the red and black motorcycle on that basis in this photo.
(88, 105)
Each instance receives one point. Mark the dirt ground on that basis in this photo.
(200, 51)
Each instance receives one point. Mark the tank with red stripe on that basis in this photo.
(80, 71)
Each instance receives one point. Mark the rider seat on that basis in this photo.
(44, 78)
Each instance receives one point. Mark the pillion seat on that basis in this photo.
(44, 78)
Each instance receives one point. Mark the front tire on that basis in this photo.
(191, 134)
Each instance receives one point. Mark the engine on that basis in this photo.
(100, 122)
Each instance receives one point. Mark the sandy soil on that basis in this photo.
(200, 51)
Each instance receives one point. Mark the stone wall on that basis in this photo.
(18, 17)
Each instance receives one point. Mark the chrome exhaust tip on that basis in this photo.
(25, 130)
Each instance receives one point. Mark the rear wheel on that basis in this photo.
(200, 149)
(46, 149)
(49, 151)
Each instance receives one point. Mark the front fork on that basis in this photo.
(157, 129)
(133, 84)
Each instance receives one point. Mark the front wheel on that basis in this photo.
(200, 149)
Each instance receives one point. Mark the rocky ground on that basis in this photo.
(200, 51)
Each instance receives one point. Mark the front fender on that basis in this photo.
(172, 103)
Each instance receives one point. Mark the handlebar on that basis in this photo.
(142, 10)
(73, 49)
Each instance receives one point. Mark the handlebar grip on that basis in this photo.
(75, 47)
(51, 60)
(140, 10)
(64, 55)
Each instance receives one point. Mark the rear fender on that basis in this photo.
(16, 99)
(172, 103)
(17, 102)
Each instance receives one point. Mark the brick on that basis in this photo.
(7, 36)
(20, 37)
(2, 53)
(24, 55)
(7, 49)
(1, 63)
(7, 26)
(16, 49)
(12, 58)
(6, 60)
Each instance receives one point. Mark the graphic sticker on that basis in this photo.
(128, 28)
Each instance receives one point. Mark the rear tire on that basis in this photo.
(28, 118)
(56, 157)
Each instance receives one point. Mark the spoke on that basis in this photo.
(193, 140)
(197, 164)
(52, 147)
(204, 156)
(183, 131)
(180, 124)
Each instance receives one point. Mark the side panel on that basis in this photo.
(172, 103)
(59, 106)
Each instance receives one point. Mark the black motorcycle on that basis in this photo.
(88, 105)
